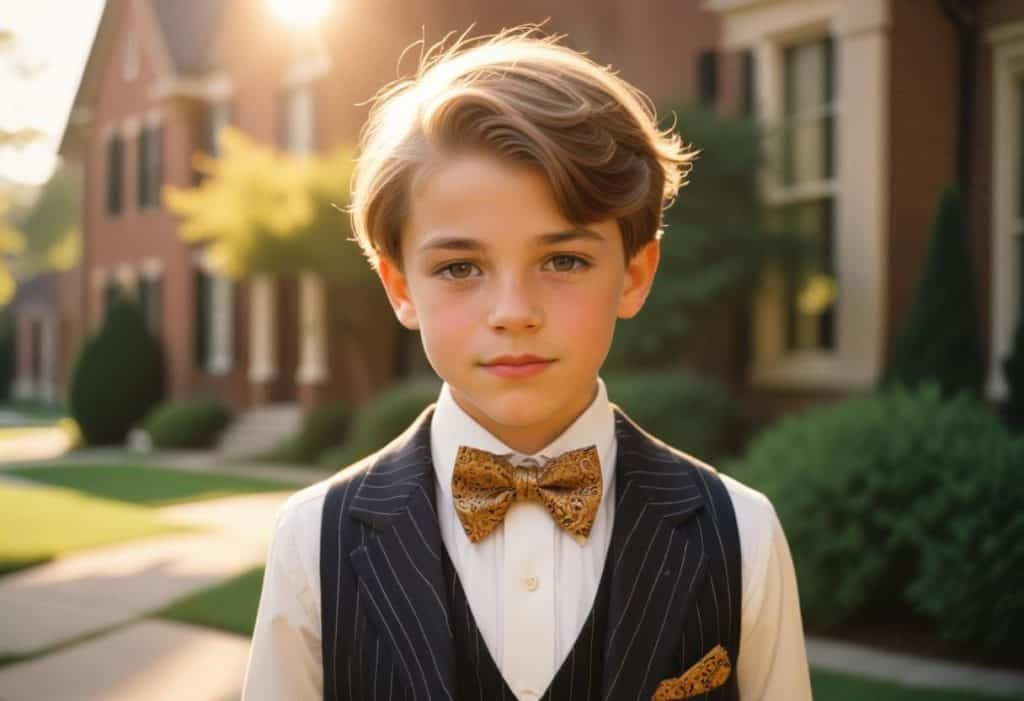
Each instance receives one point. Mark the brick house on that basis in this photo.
(860, 98)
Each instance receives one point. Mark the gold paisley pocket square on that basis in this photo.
(709, 673)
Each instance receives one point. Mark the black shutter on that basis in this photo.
(156, 176)
(141, 156)
(707, 78)
(201, 295)
(114, 175)
(156, 301)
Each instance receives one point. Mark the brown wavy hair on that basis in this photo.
(520, 96)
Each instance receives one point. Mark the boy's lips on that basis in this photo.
(517, 365)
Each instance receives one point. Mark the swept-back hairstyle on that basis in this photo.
(525, 98)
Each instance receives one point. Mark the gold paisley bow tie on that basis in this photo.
(484, 485)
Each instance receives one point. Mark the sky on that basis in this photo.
(53, 37)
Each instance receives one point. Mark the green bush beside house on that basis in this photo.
(901, 499)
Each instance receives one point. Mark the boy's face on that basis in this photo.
(495, 277)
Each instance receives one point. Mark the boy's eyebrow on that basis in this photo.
(467, 244)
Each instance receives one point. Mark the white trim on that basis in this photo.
(213, 86)
(1007, 70)
(152, 268)
(860, 36)
(307, 71)
(262, 328)
(130, 127)
(1005, 33)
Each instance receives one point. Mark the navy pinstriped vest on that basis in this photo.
(388, 628)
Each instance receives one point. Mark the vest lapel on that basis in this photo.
(399, 565)
(659, 561)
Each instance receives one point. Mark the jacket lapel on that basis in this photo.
(399, 564)
(658, 558)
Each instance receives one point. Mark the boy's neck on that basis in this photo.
(526, 439)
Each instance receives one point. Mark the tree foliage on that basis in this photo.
(263, 211)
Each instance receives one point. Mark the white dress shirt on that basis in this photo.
(527, 565)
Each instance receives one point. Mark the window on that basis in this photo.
(111, 292)
(748, 88)
(151, 301)
(807, 163)
(298, 119)
(214, 321)
(707, 78)
(214, 117)
(150, 170)
(115, 176)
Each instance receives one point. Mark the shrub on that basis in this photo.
(381, 419)
(886, 498)
(118, 376)
(187, 423)
(324, 427)
(939, 339)
(689, 412)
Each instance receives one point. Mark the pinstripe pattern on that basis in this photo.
(672, 581)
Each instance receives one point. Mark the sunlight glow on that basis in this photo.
(302, 13)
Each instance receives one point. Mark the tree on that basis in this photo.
(939, 339)
(262, 211)
(716, 240)
(51, 227)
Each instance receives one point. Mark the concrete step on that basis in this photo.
(259, 429)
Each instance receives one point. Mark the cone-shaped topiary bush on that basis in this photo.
(1013, 367)
(118, 376)
(939, 339)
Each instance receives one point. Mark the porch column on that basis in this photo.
(262, 328)
(312, 338)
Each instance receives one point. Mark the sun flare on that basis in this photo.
(302, 13)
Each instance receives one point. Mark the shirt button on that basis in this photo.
(530, 584)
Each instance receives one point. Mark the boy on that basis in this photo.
(523, 538)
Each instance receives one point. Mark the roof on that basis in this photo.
(185, 31)
(187, 27)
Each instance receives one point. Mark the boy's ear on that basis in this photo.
(639, 275)
(397, 290)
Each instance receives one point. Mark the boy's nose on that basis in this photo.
(515, 307)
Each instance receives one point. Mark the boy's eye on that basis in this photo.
(565, 263)
(457, 271)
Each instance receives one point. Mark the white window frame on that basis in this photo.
(300, 119)
(1007, 43)
(860, 40)
(220, 319)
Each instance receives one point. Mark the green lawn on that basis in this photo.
(830, 686)
(152, 486)
(38, 524)
(230, 606)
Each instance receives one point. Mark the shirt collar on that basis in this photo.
(451, 426)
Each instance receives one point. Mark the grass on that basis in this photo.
(230, 606)
(38, 524)
(152, 486)
(832, 686)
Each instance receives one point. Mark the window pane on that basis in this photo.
(748, 83)
(809, 284)
(707, 77)
(807, 129)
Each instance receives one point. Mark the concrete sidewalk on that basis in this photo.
(104, 587)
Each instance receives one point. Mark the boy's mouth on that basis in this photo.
(517, 365)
